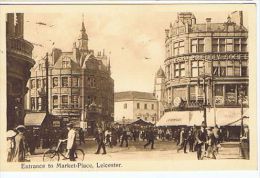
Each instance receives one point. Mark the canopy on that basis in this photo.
(222, 116)
(141, 122)
(34, 119)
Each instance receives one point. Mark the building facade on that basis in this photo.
(19, 62)
(206, 63)
(80, 85)
(133, 105)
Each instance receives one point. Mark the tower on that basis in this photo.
(159, 89)
(83, 38)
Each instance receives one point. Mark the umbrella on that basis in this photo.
(10, 133)
(20, 127)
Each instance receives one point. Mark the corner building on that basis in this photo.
(210, 54)
(80, 85)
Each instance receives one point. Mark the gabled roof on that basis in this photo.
(133, 95)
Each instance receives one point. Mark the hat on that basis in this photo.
(10, 133)
(20, 127)
(69, 124)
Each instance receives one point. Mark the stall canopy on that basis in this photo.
(219, 116)
(34, 119)
(141, 122)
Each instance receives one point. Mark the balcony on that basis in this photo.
(20, 47)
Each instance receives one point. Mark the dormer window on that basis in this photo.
(65, 64)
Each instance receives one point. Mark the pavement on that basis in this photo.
(164, 150)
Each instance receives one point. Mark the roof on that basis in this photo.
(34, 119)
(160, 73)
(133, 95)
(141, 122)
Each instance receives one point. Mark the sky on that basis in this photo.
(133, 36)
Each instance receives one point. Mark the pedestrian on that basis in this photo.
(183, 140)
(20, 145)
(108, 137)
(211, 142)
(201, 139)
(10, 144)
(100, 137)
(191, 139)
(71, 142)
(124, 138)
(150, 138)
(81, 136)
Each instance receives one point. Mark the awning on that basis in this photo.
(141, 122)
(174, 118)
(223, 117)
(34, 119)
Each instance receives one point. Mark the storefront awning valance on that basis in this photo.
(34, 119)
(222, 116)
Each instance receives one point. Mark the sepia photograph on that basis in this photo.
(124, 87)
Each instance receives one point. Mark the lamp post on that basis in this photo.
(241, 98)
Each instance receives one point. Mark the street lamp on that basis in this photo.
(204, 77)
(242, 98)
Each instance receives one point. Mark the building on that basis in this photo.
(80, 86)
(206, 66)
(133, 105)
(19, 61)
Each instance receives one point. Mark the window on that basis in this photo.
(125, 106)
(64, 101)
(196, 68)
(138, 105)
(179, 69)
(38, 103)
(230, 98)
(192, 93)
(219, 70)
(38, 84)
(55, 81)
(145, 106)
(218, 90)
(229, 44)
(65, 64)
(244, 71)
(32, 103)
(178, 48)
(75, 101)
(75, 81)
(197, 45)
(55, 103)
(64, 81)
(32, 83)
(44, 82)
(152, 106)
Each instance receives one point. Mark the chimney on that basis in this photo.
(10, 24)
(19, 27)
(237, 17)
(208, 21)
(193, 20)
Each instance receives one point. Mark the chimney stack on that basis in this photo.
(208, 21)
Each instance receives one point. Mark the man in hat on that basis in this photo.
(20, 148)
(71, 142)
(100, 137)
(150, 138)
(201, 138)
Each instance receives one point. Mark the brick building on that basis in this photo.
(80, 85)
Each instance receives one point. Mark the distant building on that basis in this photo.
(133, 105)
(18, 64)
(80, 85)
(208, 54)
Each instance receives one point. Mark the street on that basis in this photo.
(164, 150)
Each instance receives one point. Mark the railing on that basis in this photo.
(19, 46)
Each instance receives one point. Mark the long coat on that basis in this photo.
(71, 139)
(20, 149)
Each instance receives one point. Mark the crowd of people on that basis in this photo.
(201, 139)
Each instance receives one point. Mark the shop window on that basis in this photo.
(55, 103)
(55, 81)
(64, 82)
(230, 98)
